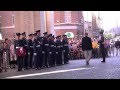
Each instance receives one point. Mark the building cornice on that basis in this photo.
(7, 27)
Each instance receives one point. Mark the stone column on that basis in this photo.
(42, 21)
(24, 22)
(50, 22)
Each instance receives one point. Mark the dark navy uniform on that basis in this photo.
(52, 52)
(102, 46)
(25, 42)
(58, 51)
(65, 49)
(45, 50)
(40, 56)
(30, 52)
(19, 44)
(36, 47)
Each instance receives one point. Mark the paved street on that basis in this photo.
(77, 69)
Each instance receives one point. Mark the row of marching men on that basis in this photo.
(39, 52)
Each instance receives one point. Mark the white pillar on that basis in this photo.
(52, 23)
(42, 22)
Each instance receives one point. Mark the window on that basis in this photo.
(13, 20)
(67, 16)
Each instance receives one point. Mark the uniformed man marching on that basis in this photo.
(52, 49)
(58, 51)
(40, 56)
(65, 49)
(36, 47)
(19, 50)
(30, 50)
(24, 40)
(45, 49)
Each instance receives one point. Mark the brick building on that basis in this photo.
(68, 21)
(55, 22)
(7, 24)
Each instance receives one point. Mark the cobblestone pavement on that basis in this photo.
(76, 69)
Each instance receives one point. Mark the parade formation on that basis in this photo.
(39, 52)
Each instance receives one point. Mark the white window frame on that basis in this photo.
(13, 20)
(67, 15)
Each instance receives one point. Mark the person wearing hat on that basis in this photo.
(30, 50)
(58, 51)
(36, 52)
(38, 32)
(102, 45)
(40, 56)
(45, 49)
(26, 48)
(51, 59)
(65, 49)
(18, 47)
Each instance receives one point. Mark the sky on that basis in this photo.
(110, 19)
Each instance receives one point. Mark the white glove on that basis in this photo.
(28, 53)
(43, 52)
(56, 52)
(35, 54)
(50, 52)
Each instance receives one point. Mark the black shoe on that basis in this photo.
(103, 61)
(87, 63)
(36, 68)
(19, 70)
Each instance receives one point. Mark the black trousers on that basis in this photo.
(40, 59)
(66, 58)
(103, 52)
(59, 58)
(30, 59)
(46, 58)
(20, 62)
(51, 59)
(26, 61)
(36, 61)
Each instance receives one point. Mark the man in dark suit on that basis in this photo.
(87, 48)
(25, 42)
(102, 46)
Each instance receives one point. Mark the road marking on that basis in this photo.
(44, 73)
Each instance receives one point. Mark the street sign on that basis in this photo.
(69, 34)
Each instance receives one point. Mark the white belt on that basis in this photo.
(31, 46)
(26, 45)
(46, 44)
(18, 47)
(52, 45)
(38, 46)
(35, 54)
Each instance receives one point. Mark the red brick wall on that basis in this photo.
(76, 16)
(6, 18)
(6, 21)
(59, 15)
(7, 33)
